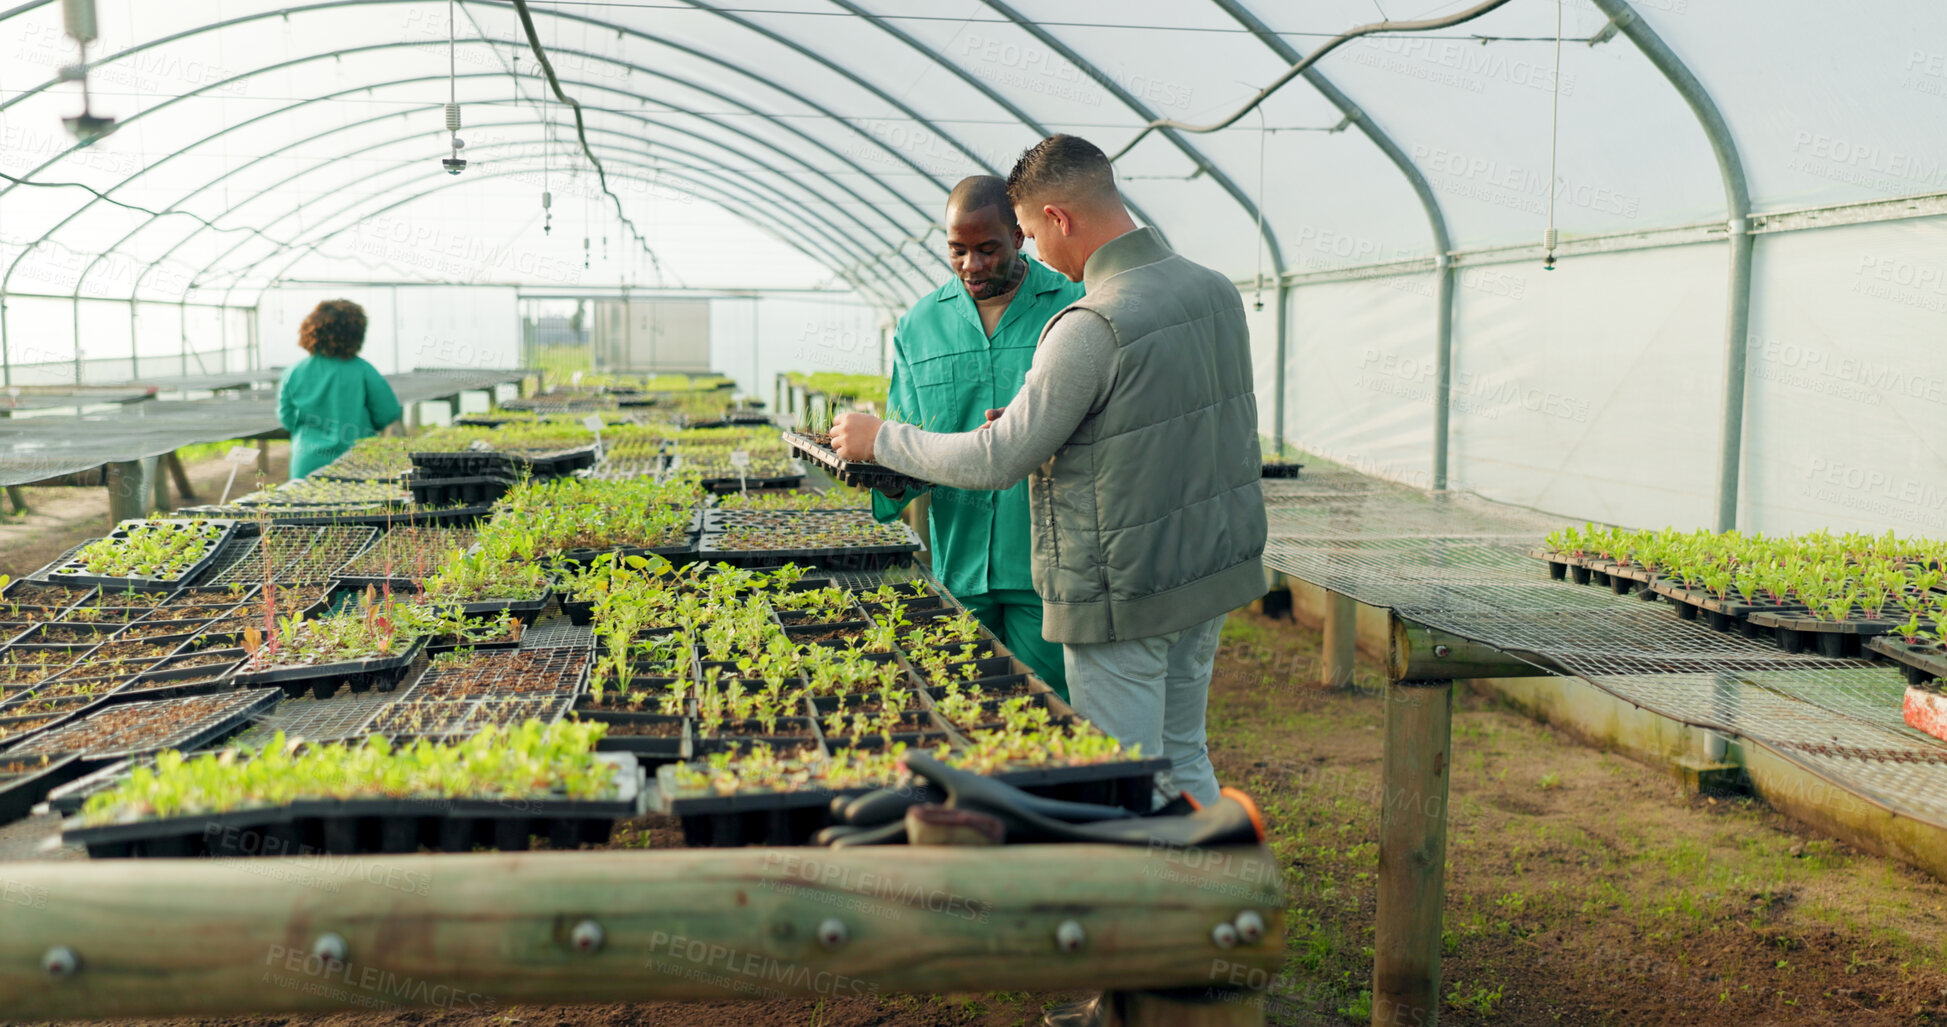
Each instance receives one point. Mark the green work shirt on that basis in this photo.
(946, 375)
(328, 404)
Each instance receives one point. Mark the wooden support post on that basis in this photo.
(1412, 854)
(18, 497)
(1420, 653)
(256, 936)
(128, 490)
(181, 474)
(1341, 640)
(159, 481)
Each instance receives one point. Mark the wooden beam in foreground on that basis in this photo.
(296, 934)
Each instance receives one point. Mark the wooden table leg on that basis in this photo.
(1412, 853)
(18, 497)
(181, 475)
(128, 491)
(1341, 640)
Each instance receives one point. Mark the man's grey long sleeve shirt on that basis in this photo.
(1071, 377)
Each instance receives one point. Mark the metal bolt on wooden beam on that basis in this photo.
(1420, 653)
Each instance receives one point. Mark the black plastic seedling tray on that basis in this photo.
(1282, 470)
(25, 781)
(49, 596)
(843, 558)
(219, 722)
(1798, 632)
(652, 750)
(524, 609)
(107, 582)
(857, 475)
(1920, 664)
(720, 483)
(749, 817)
(323, 680)
(174, 683)
(703, 745)
(1728, 615)
(363, 826)
(1130, 784)
(464, 490)
(678, 553)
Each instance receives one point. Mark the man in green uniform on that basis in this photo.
(961, 352)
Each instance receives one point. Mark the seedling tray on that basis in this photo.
(1920, 663)
(26, 780)
(55, 598)
(537, 673)
(215, 717)
(653, 750)
(75, 574)
(1800, 632)
(703, 745)
(1720, 614)
(175, 683)
(857, 475)
(677, 553)
(524, 609)
(322, 680)
(363, 826)
(1130, 784)
(464, 490)
(15, 730)
(1282, 470)
(748, 817)
(720, 483)
(843, 558)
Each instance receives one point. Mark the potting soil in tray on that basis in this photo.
(714, 549)
(117, 731)
(442, 719)
(359, 826)
(74, 572)
(557, 671)
(323, 679)
(26, 780)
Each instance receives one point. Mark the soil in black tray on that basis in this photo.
(661, 727)
(783, 727)
(69, 634)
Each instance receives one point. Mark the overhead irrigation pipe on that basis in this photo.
(1299, 68)
(581, 132)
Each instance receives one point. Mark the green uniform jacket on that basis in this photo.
(946, 375)
(329, 404)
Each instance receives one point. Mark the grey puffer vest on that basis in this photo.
(1150, 518)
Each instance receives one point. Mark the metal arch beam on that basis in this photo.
(313, 245)
(630, 165)
(781, 123)
(1130, 101)
(639, 118)
(1737, 201)
(136, 287)
(977, 85)
(1436, 219)
(838, 268)
(805, 232)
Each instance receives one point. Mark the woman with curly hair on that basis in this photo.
(334, 397)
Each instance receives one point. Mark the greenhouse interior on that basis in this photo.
(1384, 515)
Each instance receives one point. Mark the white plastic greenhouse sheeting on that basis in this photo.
(800, 143)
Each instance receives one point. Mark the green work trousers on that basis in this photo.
(1014, 615)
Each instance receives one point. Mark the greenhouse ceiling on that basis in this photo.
(801, 142)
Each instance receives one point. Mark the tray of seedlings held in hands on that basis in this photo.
(817, 448)
(149, 553)
(535, 780)
(127, 729)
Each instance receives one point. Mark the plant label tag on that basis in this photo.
(575, 379)
(242, 455)
(740, 458)
(593, 422)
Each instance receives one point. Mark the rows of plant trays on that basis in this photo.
(70, 651)
(495, 789)
(1839, 595)
(766, 693)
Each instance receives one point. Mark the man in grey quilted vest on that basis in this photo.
(1137, 426)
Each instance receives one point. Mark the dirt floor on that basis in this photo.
(1582, 888)
(58, 518)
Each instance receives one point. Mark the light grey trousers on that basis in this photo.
(1151, 692)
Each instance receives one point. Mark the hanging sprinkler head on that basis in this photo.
(79, 18)
(547, 203)
(454, 164)
(1548, 240)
